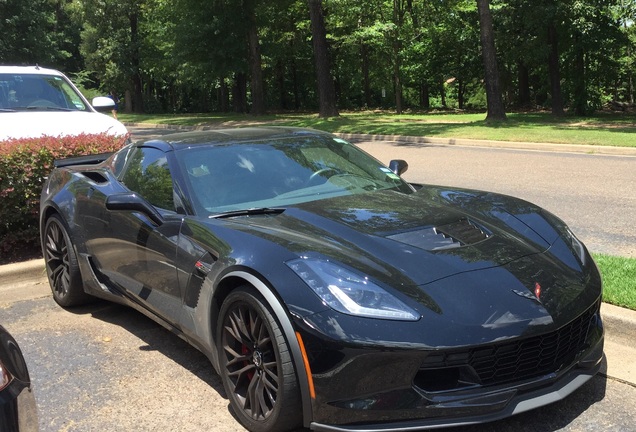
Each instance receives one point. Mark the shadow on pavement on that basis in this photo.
(156, 338)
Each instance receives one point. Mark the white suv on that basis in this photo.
(35, 101)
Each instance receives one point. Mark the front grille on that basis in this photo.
(523, 359)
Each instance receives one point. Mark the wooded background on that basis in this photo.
(257, 56)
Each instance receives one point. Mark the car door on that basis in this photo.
(136, 254)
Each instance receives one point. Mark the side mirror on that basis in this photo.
(103, 103)
(398, 166)
(130, 201)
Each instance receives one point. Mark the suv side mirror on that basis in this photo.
(103, 103)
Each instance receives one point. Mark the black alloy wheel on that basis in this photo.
(256, 366)
(61, 265)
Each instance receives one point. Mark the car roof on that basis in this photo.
(34, 70)
(227, 136)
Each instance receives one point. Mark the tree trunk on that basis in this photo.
(523, 84)
(239, 93)
(280, 78)
(256, 70)
(555, 74)
(397, 81)
(295, 86)
(224, 96)
(425, 97)
(326, 87)
(630, 76)
(442, 92)
(137, 87)
(494, 100)
(398, 20)
(581, 107)
(128, 101)
(366, 81)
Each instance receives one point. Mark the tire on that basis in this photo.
(256, 366)
(61, 265)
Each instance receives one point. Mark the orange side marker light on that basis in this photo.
(310, 379)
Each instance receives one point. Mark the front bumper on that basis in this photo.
(368, 390)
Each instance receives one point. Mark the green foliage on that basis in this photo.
(178, 56)
(619, 276)
(24, 163)
(38, 31)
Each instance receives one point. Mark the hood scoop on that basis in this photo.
(463, 232)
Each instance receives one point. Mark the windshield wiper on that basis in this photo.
(247, 212)
(46, 108)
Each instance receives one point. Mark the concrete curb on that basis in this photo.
(21, 273)
(619, 322)
(551, 147)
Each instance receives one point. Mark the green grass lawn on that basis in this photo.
(619, 280)
(606, 129)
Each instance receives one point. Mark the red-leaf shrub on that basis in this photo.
(24, 163)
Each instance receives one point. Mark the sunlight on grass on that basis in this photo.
(601, 130)
(619, 279)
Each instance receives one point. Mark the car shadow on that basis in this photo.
(156, 338)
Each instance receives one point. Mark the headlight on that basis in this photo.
(350, 293)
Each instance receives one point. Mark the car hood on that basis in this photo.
(33, 124)
(389, 234)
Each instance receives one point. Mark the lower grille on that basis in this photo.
(518, 360)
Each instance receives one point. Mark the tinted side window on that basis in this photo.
(148, 174)
(119, 160)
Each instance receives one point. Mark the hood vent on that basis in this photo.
(464, 232)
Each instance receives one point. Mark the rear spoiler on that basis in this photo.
(81, 160)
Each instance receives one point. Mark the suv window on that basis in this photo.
(148, 174)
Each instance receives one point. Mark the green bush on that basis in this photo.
(24, 164)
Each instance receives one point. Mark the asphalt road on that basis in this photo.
(105, 367)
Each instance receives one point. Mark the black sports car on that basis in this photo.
(18, 411)
(325, 290)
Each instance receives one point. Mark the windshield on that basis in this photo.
(38, 92)
(282, 172)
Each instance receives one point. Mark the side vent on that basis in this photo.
(95, 176)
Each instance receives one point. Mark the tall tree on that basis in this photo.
(496, 110)
(255, 62)
(326, 87)
(112, 44)
(399, 10)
